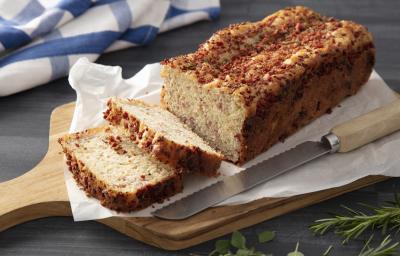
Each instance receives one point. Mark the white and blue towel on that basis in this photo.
(41, 39)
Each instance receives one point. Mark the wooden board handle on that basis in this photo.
(368, 127)
(41, 192)
(36, 194)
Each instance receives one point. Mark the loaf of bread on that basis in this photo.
(111, 168)
(253, 84)
(163, 135)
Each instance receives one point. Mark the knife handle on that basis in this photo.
(368, 127)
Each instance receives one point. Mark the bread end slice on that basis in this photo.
(115, 171)
(163, 135)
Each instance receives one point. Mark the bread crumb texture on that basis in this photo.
(111, 168)
(162, 134)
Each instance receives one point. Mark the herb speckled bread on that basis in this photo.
(162, 134)
(111, 168)
(253, 84)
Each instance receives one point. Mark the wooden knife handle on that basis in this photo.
(368, 127)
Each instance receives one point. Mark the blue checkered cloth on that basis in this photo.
(41, 39)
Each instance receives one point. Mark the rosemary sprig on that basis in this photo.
(354, 223)
(328, 251)
(385, 248)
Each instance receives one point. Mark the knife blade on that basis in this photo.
(343, 138)
(244, 180)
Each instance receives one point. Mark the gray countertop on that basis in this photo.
(24, 121)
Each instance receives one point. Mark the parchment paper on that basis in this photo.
(95, 83)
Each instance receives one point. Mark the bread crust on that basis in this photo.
(108, 197)
(319, 94)
(285, 70)
(189, 158)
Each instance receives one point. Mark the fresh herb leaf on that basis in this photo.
(350, 225)
(355, 223)
(214, 253)
(295, 254)
(238, 240)
(385, 248)
(222, 246)
(266, 236)
(326, 253)
(244, 252)
(296, 251)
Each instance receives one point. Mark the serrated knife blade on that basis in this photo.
(244, 180)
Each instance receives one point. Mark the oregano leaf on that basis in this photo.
(238, 240)
(222, 246)
(296, 251)
(295, 254)
(243, 252)
(266, 236)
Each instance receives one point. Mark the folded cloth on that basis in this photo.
(40, 39)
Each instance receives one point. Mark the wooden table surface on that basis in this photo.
(24, 120)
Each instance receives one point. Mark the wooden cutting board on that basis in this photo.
(41, 192)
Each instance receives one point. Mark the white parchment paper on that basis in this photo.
(95, 83)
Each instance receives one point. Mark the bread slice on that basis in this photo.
(111, 168)
(253, 84)
(162, 134)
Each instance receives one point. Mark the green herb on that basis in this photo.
(266, 236)
(238, 240)
(222, 246)
(355, 223)
(326, 253)
(296, 251)
(350, 225)
(385, 248)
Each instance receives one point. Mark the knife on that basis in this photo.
(342, 138)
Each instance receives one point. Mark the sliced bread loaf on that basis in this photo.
(111, 168)
(254, 84)
(162, 134)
